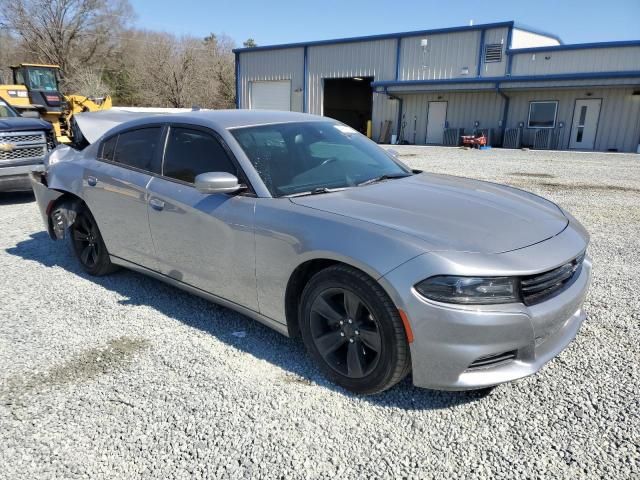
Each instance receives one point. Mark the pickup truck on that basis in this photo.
(24, 142)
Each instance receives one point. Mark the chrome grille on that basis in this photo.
(24, 153)
(23, 146)
(537, 288)
(493, 360)
(31, 137)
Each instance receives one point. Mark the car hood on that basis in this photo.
(449, 213)
(21, 123)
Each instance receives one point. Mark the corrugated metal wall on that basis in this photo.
(618, 126)
(285, 64)
(495, 36)
(445, 56)
(577, 61)
(463, 109)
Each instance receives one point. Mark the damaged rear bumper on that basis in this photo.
(57, 213)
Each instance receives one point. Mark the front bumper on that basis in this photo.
(452, 341)
(16, 179)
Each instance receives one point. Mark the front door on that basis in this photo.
(203, 240)
(585, 124)
(436, 118)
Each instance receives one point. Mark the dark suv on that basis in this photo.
(23, 144)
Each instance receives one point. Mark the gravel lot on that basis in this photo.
(124, 377)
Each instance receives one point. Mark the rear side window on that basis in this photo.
(137, 149)
(192, 152)
(108, 148)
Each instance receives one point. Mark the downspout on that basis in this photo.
(505, 108)
(237, 55)
(305, 71)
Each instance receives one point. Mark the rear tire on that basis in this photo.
(353, 331)
(87, 244)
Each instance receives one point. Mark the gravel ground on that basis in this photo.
(124, 377)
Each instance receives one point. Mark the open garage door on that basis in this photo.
(271, 95)
(349, 100)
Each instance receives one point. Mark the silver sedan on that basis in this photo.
(303, 224)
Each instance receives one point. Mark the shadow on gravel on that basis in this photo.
(14, 198)
(225, 325)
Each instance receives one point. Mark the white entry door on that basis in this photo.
(271, 95)
(436, 118)
(585, 124)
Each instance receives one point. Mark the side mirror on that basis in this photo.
(217, 182)
(30, 114)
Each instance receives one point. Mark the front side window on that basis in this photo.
(542, 114)
(302, 157)
(137, 149)
(192, 152)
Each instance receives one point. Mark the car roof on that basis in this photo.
(223, 119)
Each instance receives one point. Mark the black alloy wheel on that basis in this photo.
(353, 331)
(88, 245)
(345, 332)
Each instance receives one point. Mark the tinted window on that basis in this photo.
(137, 149)
(191, 152)
(108, 147)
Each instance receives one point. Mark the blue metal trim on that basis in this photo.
(237, 56)
(398, 51)
(384, 36)
(481, 53)
(304, 81)
(508, 50)
(506, 79)
(526, 28)
(577, 46)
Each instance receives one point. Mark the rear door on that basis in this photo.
(115, 191)
(204, 240)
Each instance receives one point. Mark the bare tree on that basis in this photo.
(71, 33)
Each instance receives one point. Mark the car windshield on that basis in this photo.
(306, 157)
(6, 110)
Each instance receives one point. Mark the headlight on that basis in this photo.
(470, 290)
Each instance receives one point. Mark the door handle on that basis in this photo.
(92, 181)
(156, 204)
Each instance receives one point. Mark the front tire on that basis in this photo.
(353, 331)
(87, 244)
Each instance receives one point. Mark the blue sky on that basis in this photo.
(284, 21)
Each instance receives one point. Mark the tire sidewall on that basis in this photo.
(374, 300)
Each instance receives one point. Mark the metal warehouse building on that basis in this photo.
(521, 87)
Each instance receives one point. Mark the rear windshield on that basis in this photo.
(301, 157)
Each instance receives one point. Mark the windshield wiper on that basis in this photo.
(386, 176)
(315, 191)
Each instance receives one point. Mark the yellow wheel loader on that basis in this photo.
(36, 89)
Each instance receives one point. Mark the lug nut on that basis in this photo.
(350, 321)
(351, 340)
(357, 332)
(342, 334)
(341, 322)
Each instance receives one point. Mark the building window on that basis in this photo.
(542, 114)
(492, 53)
